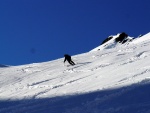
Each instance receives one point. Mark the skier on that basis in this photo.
(68, 58)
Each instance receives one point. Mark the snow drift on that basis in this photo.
(112, 78)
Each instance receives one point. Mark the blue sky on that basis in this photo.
(33, 31)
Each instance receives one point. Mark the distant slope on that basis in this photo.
(1, 65)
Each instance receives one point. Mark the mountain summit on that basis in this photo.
(120, 39)
(112, 78)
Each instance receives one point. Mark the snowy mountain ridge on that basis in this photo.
(112, 78)
(111, 42)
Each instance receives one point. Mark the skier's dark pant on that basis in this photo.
(71, 62)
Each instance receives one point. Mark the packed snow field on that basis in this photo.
(112, 80)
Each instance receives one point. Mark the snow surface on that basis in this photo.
(114, 80)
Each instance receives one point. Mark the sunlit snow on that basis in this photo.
(114, 79)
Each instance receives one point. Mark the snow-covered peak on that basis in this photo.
(113, 41)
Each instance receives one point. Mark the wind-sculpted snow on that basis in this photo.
(114, 80)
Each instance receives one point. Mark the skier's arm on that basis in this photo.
(64, 60)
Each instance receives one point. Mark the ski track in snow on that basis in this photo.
(58, 86)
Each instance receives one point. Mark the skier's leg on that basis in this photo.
(69, 62)
(72, 63)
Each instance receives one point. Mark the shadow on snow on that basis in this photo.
(129, 99)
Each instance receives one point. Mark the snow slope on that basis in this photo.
(114, 80)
